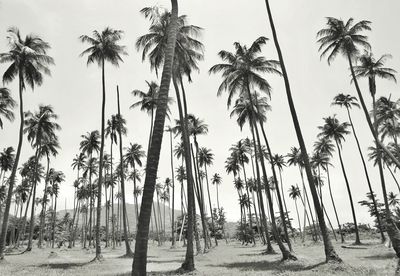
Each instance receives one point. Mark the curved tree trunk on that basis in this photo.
(43, 212)
(209, 201)
(11, 180)
(173, 194)
(330, 252)
(140, 258)
(334, 205)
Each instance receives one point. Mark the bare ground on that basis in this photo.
(226, 259)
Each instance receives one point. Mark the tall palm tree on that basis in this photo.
(325, 148)
(216, 180)
(140, 258)
(241, 72)
(333, 129)
(348, 101)
(29, 62)
(90, 144)
(49, 148)
(40, 127)
(6, 163)
(346, 38)
(206, 158)
(170, 130)
(121, 130)
(294, 193)
(55, 179)
(104, 47)
(7, 105)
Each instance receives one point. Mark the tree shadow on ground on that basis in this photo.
(166, 261)
(153, 273)
(386, 256)
(269, 266)
(63, 265)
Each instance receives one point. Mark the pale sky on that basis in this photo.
(74, 90)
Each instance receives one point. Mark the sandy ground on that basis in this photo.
(226, 259)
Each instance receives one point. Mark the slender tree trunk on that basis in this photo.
(334, 205)
(330, 252)
(140, 258)
(43, 212)
(34, 183)
(209, 201)
(249, 207)
(277, 189)
(378, 217)
(350, 196)
(173, 195)
(11, 179)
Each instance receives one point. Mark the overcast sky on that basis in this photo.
(74, 90)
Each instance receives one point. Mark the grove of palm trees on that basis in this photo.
(199, 138)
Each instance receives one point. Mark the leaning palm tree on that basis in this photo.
(346, 38)
(170, 130)
(7, 105)
(104, 47)
(330, 252)
(29, 62)
(348, 101)
(241, 72)
(333, 129)
(294, 193)
(40, 128)
(140, 259)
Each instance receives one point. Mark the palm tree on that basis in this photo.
(140, 258)
(104, 47)
(49, 148)
(206, 158)
(330, 252)
(346, 38)
(7, 104)
(41, 128)
(216, 180)
(294, 193)
(348, 101)
(170, 130)
(121, 130)
(241, 73)
(88, 145)
(55, 179)
(134, 155)
(29, 61)
(333, 129)
(6, 162)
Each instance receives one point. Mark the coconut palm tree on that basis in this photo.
(40, 127)
(348, 101)
(140, 258)
(347, 38)
(49, 148)
(330, 252)
(333, 129)
(29, 62)
(90, 144)
(170, 130)
(326, 148)
(216, 180)
(7, 105)
(104, 47)
(121, 130)
(387, 116)
(134, 155)
(55, 179)
(6, 162)
(241, 73)
(294, 193)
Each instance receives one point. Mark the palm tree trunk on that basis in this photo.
(140, 258)
(32, 219)
(188, 264)
(128, 251)
(249, 207)
(298, 217)
(54, 221)
(306, 200)
(350, 196)
(334, 205)
(100, 182)
(278, 193)
(330, 252)
(173, 195)
(383, 239)
(43, 212)
(11, 180)
(393, 176)
(209, 201)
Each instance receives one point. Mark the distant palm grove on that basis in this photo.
(185, 207)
